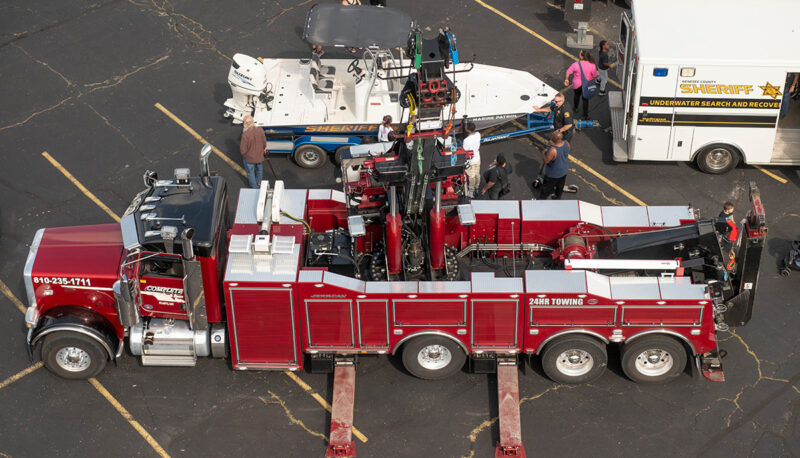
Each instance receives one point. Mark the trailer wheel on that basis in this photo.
(433, 357)
(717, 159)
(574, 359)
(337, 155)
(73, 356)
(310, 156)
(653, 359)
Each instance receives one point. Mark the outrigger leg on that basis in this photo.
(508, 406)
(341, 442)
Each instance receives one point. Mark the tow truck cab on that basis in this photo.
(89, 287)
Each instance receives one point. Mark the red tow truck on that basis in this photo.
(276, 288)
(398, 263)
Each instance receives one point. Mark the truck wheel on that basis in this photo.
(717, 159)
(310, 156)
(433, 357)
(73, 356)
(653, 359)
(574, 359)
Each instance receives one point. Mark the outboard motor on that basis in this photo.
(248, 80)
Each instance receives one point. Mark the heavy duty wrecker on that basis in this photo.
(399, 262)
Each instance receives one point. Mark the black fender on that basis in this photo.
(80, 320)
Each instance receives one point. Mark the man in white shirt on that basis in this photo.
(473, 143)
(385, 131)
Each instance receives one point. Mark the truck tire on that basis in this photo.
(717, 158)
(574, 359)
(653, 359)
(337, 155)
(433, 357)
(73, 356)
(310, 156)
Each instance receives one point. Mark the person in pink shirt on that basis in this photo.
(586, 64)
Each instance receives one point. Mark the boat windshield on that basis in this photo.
(357, 27)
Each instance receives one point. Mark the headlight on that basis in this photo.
(32, 316)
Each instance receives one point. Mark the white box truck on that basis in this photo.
(704, 81)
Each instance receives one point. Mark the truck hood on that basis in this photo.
(80, 251)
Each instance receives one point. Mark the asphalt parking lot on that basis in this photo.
(95, 93)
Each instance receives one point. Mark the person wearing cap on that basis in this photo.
(556, 159)
(472, 142)
(497, 184)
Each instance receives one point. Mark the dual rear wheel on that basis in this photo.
(576, 359)
(570, 359)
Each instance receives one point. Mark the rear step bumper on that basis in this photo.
(615, 105)
(711, 366)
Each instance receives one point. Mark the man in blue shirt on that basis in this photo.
(556, 159)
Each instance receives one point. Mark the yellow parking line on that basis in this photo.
(594, 172)
(202, 140)
(606, 180)
(20, 374)
(7, 292)
(772, 175)
(305, 386)
(127, 416)
(96, 384)
(81, 187)
(543, 39)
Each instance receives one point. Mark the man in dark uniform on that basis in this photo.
(497, 184)
(562, 117)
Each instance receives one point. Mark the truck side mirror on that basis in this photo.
(204, 154)
(127, 308)
(150, 178)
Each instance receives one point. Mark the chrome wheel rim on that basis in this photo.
(654, 362)
(310, 156)
(434, 357)
(718, 158)
(73, 359)
(574, 363)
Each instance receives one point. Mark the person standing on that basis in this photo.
(562, 116)
(603, 66)
(254, 149)
(385, 131)
(728, 234)
(497, 184)
(788, 88)
(726, 226)
(377, 2)
(556, 159)
(585, 67)
(472, 142)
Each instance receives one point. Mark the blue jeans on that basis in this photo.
(254, 173)
(785, 100)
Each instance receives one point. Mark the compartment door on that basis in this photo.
(373, 324)
(263, 332)
(329, 323)
(654, 114)
(681, 143)
(495, 323)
